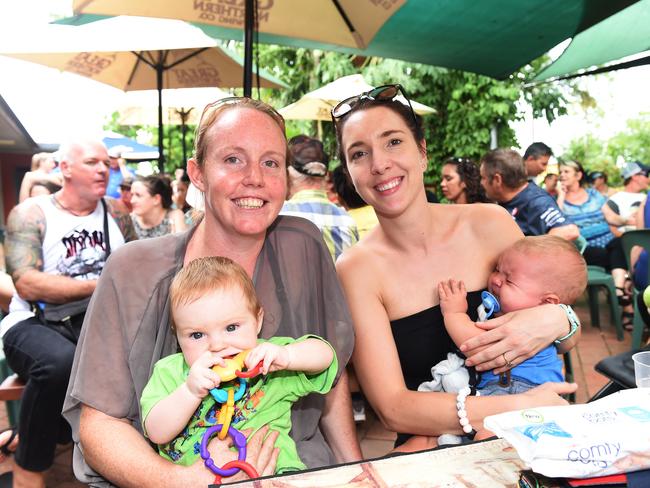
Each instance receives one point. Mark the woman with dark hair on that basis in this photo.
(391, 279)
(151, 198)
(461, 181)
(585, 208)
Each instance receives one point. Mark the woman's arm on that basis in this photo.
(337, 424)
(521, 335)
(613, 218)
(119, 453)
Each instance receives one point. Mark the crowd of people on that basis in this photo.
(308, 267)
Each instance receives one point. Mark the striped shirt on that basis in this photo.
(337, 227)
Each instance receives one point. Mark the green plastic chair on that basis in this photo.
(630, 239)
(597, 276)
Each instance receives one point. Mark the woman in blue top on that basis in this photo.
(584, 207)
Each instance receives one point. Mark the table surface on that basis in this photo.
(489, 464)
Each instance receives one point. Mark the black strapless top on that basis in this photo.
(422, 342)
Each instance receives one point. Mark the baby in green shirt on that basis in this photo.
(216, 315)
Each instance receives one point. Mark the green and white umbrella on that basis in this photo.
(490, 37)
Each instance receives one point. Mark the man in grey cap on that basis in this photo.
(308, 195)
(622, 206)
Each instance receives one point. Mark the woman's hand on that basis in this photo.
(547, 395)
(514, 337)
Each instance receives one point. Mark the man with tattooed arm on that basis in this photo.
(56, 248)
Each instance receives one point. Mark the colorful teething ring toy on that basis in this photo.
(238, 440)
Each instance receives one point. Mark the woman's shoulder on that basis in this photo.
(477, 214)
(484, 226)
(362, 258)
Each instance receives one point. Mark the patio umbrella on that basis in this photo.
(491, 37)
(135, 54)
(623, 34)
(317, 104)
(351, 23)
(181, 106)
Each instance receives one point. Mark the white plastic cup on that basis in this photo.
(642, 369)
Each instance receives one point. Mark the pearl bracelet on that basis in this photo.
(462, 413)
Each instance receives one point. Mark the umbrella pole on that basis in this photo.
(184, 114)
(249, 25)
(159, 83)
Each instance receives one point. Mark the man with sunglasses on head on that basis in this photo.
(56, 246)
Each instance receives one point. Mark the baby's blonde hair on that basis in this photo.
(567, 275)
(209, 274)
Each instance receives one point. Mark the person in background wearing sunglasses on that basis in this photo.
(461, 181)
(391, 281)
(240, 166)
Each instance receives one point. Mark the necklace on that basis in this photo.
(67, 209)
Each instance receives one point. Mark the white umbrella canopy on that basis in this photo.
(317, 104)
(180, 106)
(120, 51)
(134, 54)
(351, 23)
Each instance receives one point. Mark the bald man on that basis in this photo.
(56, 247)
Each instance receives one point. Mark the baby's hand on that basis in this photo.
(201, 378)
(453, 297)
(274, 357)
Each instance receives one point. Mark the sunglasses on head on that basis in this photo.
(385, 93)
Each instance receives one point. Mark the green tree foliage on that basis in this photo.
(468, 106)
(632, 144)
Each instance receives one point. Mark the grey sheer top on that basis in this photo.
(126, 329)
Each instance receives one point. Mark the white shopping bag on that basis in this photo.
(609, 436)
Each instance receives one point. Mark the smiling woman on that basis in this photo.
(461, 181)
(240, 167)
(391, 282)
(151, 199)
